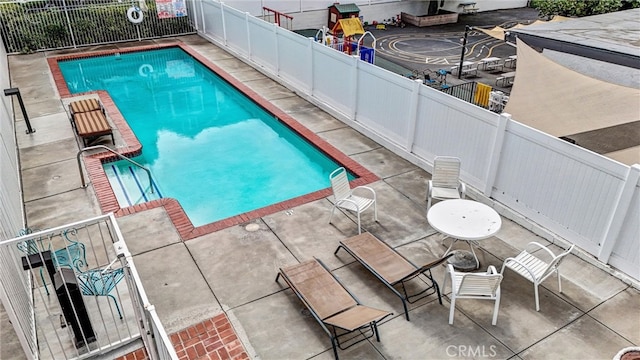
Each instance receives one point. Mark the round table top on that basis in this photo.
(464, 219)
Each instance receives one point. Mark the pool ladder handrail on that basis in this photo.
(115, 153)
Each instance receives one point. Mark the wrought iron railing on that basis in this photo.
(91, 301)
(28, 26)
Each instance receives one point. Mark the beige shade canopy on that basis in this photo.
(560, 102)
(498, 32)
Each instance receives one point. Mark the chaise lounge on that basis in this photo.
(390, 267)
(331, 304)
(89, 120)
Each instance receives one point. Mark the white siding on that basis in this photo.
(11, 214)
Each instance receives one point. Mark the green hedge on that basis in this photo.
(579, 8)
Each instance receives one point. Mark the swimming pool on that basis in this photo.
(208, 146)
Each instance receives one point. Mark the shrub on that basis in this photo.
(579, 8)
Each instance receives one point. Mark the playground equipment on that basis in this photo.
(279, 18)
(348, 42)
(436, 79)
(397, 21)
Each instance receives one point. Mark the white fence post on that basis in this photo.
(246, 24)
(354, 84)
(204, 23)
(277, 49)
(224, 25)
(413, 113)
(494, 159)
(618, 216)
(311, 66)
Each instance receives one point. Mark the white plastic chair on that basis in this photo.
(535, 269)
(474, 286)
(346, 199)
(445, 181)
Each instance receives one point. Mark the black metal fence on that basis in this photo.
(479, 94)
(28, 26)
(464, 91)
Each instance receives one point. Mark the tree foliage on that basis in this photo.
(579, 8)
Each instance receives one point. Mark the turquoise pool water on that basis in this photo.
(206, 144)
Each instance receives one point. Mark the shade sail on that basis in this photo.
(560, 102)
(498, 32)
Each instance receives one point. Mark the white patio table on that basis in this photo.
(464, 220)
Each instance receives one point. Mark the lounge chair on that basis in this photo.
(390, 267)
(331, 304)
(89, 120)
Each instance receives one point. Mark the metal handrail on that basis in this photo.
(115, 153)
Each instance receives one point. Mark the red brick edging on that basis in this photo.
(186, 230)
(212, 339)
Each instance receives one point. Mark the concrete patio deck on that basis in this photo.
(233, 271)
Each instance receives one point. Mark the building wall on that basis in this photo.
(313, 14)
(485, 5)
(10, 195)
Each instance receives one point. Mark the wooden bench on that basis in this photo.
(331, 304)
(89, 120)
(390, 267)
(84, 105)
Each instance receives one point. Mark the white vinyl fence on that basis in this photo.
(581, 196)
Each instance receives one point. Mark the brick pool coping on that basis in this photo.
(132, 147)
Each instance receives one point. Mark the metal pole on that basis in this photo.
(16, 91)
(464, 45)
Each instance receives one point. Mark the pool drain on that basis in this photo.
(252, 227)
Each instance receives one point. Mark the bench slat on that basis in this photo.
(85, 105)
(92, 123)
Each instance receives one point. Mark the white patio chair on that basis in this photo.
(474, 286)
(345, 197)
(445, 181)
(534, 269)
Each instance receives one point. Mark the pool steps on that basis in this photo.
(130, 184)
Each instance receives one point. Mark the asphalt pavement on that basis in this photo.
(411, 49)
